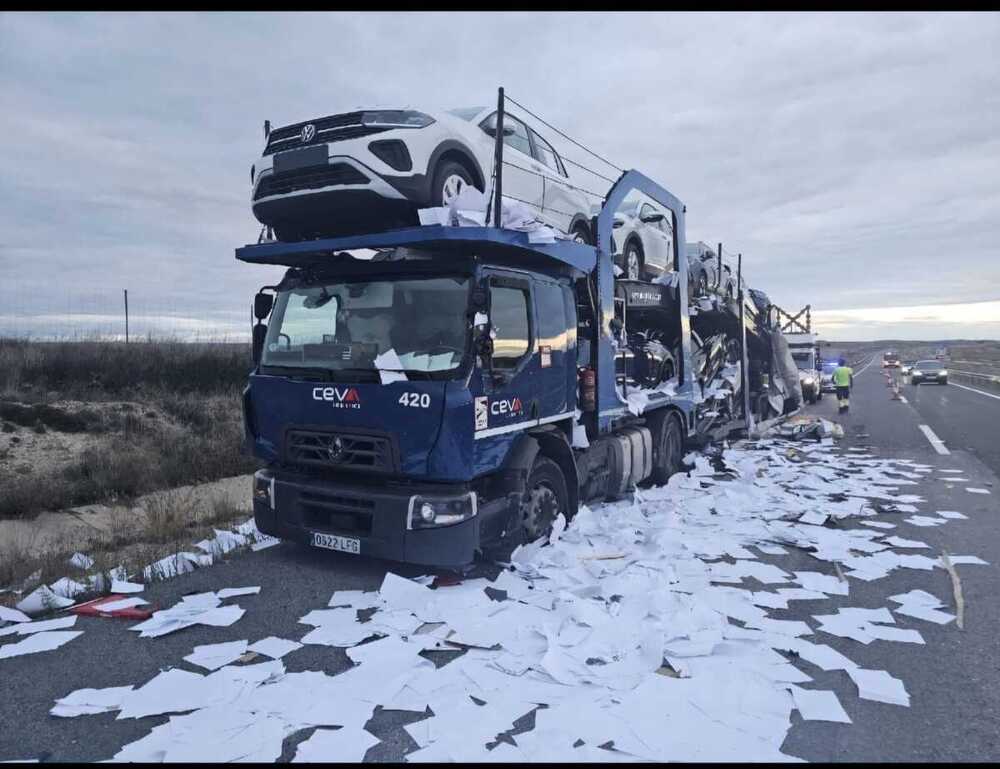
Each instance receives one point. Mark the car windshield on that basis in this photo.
(931, 364)
(344, 326)
(466, 113)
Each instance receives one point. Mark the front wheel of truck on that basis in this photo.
(668, 447)
(544, 499)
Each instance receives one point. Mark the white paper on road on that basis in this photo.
(818, 705)
(40, 626)
(347, 744)
(38, 642)
(125, 587)
(42, 600)
(917, 598)
(589, 624)
(906, 543)
(274, 647)
(124, 603)
(200, 609)
(232, 592)
(925, 613)
(86, 702)
(355, 599)
(823, 583)
(13, 615)
(215, 656)
(878, 524)
(814, 518)
(952, 514)
(879, 686)
(958, 560)
(923, 520)
(976, 490)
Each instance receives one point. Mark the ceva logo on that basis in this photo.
(506, 406)
(339, 398)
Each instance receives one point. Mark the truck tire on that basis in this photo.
(668, 448)
(545, 497)
(634, 264)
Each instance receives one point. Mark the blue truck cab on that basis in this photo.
(458, 390)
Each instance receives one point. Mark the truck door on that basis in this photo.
(512, 386)
(556, 330)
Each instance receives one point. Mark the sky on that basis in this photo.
(853, 159)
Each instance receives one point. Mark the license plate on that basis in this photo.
(334, 542)
(303, 158)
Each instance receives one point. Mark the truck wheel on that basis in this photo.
(581, 234)
(633, 262)
(667, 449)
(544, 498)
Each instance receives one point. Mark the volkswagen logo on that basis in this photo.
(335, 452)
(308, 133)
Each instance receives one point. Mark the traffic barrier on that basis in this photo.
(975, 379)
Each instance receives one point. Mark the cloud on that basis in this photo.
(852, 158)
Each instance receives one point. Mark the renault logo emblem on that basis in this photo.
(336, 450)
(308, 132)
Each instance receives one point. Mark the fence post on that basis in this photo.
(126, 314)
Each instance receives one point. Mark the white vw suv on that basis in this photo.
(371, 170)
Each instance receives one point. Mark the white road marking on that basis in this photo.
(974, 390)
(862, 369)
(936, 442)
(903, 398)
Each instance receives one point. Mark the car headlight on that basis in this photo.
(396, 119)
(808, 381)
(943, 372)
(432, 512)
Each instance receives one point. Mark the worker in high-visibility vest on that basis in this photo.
(843, 378)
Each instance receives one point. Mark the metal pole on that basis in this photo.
(126, 314)
(498, 161)
(744, 358)
(718, 272)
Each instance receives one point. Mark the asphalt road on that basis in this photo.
(953, 680)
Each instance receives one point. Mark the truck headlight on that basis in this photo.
(263, 488)
(808, 381)
(396, 118)
(433, 512)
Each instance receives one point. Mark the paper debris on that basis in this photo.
(124, 603)
(274, 647)
(87, 702)
(952, 514)
(200, 609)
(811, 580)
(879, 686)
(906, 543)
(81, 561)
(974, 490)
(232, 592)
(215, 656)
(345, 745)
(390, 367)
(40, 626)
(42, 600)
(38, 642)
(818, 705)
(13, 615)
(123, 586)
(923, 520)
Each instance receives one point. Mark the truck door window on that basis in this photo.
(509, 318)
(552, 330)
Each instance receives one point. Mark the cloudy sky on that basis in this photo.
(853, 159)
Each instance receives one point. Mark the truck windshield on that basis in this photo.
(344, 326)
(804, 360)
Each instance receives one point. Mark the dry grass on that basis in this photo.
(180, 422)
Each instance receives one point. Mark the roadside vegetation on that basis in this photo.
(102, 422)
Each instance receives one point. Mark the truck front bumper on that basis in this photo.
(294, 507)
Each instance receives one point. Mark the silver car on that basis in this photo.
(643, 241)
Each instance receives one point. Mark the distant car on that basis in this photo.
(826, 384)
(925, 371)
(890, 360)
(906, 367)
(371, 169)
(643, 241)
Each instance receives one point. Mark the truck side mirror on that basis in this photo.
(259, 334)
(262, 304)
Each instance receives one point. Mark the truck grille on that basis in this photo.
(334, 128)
(340, 451)
(309, 179)
(336, 512)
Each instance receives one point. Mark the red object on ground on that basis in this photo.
(446, 580)
(93, 609)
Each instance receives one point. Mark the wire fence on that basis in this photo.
(100, 316)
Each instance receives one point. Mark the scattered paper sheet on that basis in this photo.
(123, 586)
(818, 705)
(86, 702)
(345, 745)
(952, 514)
(975, 490)
(81, 561)
(390, 368)
(13, 615)
(274, 647)
(879, 686)
(38, 642)
(215, 656)
(232, 592)
(42, 600)
(124, 603)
